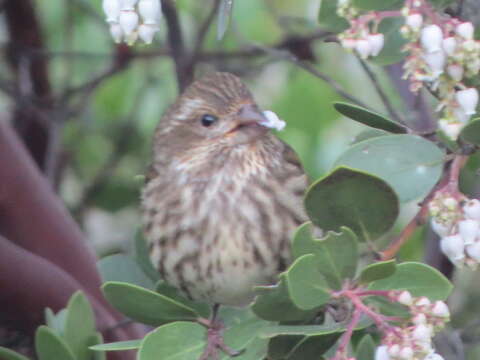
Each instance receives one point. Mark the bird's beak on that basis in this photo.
(249, 120)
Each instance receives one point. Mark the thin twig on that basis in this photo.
(203, 31)
(381, 93)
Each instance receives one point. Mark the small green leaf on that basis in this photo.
(49, 345)
(143, 258)
(7, 354)
(97, 339)
(377, 271)
(244, 335)
(409, 163)
(121, 267)
(377, 5)
(171, 292)
(366, 348)
(56, 321)
(144, 305)
(118, 346)
(328, 18)
(310, 347)
(419, 279)
(306, 285)
(368, 117)
(224, 13)
(394, 42)
(355, 199)
(336, 254)
(79, 326)
(175, 341)
(273, 303)
(368, 134)
(471, 133)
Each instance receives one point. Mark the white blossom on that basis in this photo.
(468, 230)
(422, 301)
(431, 38)
(150, 11)
(147, 32)
(128, 5)
(434, 356)
(440, 309)
(381, 353)
(460, 115)
(449, 45)
(414, 21)
(128, 21)
(112, 10)
(473, 251)
(465, 30)
(406, 353)
(393, 350)
(363, 48)
(419, 319)
(376, 43)
(468, 100)
(440, 228)
(451, 129)
(405, 298)
(422, 333)
(436, 61)
(116, 32)
(472, 209)
(453, 247)
(349, 43)
(455, 72)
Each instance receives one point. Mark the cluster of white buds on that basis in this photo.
(414, 340)
(443, 55)
(363, 42)
(133, 19)
(458, 227)
(273, 121)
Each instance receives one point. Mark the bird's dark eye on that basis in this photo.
(208, 120)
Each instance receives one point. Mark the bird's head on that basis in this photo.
(217, 110)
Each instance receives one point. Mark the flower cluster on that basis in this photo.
(133, 19)
(458, 225)
(443, 55)
(414, 341)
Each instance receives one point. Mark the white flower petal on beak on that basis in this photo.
(273, 121)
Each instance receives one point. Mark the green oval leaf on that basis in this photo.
(409, 163)
(366, 348)
(48, 345)
(165, 289)
(245, 335)
(471, 133)
(143, 258)
(377, 271)
(144, 305)
(7, 354)
(121, 267)
(56, 321)
(79, 326)
(368, 117)
(175, 341)
(394, 42)
(336, 254)
(117, 346)
(306, 285)
(378, 5)
(419, 279)
(351, 198)
(328, 18)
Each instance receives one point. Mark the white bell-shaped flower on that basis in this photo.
(460, 115)
(150, 11)
(381, 353)
(468, 230)
(394, 350)
(473, 66)
(440, 309)
(431, 38)
(147, 32)
(473, 251)
(436, 62)
(449, 45)
(434, 356)
(455, 71)
(422, 333)
(363, 48)
(465, 30)
(128, 5)
(405, 298)
(116, 32)
(376, 43)
(440, 228)
(420, 318)
(349, 43)
(414, 21)
(468, 100)
(128, 21)
(452, 246)
(451, 129)
(112, 10)
(471, 209)
(406, 353)
(422, 301)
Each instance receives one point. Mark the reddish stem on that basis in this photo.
(342, 348)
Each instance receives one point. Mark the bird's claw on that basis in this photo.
(215, 343)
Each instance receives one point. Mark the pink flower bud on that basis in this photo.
(406, 353)
(116, 32)
(381, 353)
(376, 43)
(473, 251)
(128, 5)
(422, 333)
(449, 45)
(455, 72)
(150, 10)
(128, 21)
(431, 38)
(440, 228)
(111, 8)
(440, 309)
(465, 30)
(468, 230)
(468, 100)
(414, 21)
(436, 62)
(472, 209)
(363, 48)
(147, 32)
(405, 298)
(453, 247)
(422, 301)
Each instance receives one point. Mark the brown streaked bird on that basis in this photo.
(222, 199)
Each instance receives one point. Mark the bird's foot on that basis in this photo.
(215, 342)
